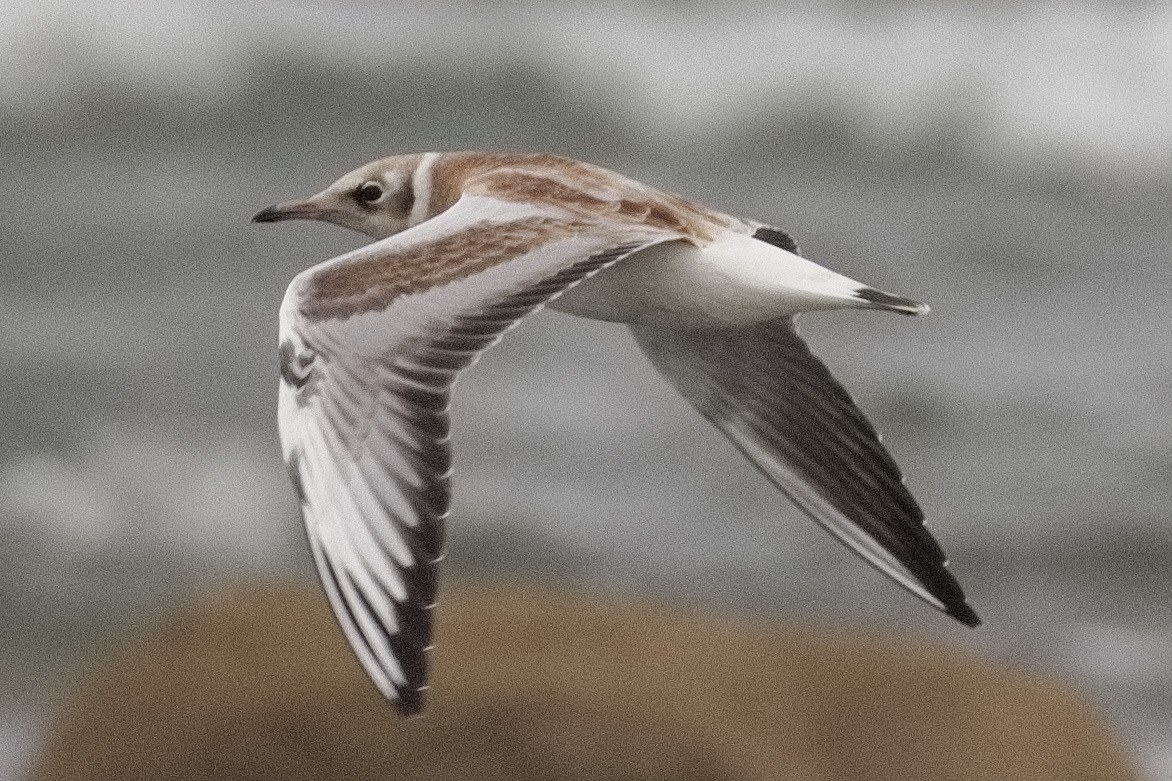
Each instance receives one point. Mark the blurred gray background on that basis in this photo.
(1007, 163)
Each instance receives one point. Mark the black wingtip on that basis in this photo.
(409, 702)
(777, 238)
(964, 614)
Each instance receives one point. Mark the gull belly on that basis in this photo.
(736, 280)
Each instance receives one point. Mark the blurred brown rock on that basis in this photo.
(256, 683)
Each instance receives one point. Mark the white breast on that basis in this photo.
(736, 280)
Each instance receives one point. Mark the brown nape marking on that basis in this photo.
(371, 284)
(447, 182)
(405, 198)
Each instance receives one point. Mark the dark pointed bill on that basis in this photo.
(289, 210)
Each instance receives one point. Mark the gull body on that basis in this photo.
(467, 243)
(734, 281)
(730, 278)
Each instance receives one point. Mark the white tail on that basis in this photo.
(257, 683)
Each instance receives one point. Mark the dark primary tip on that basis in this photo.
(410, 703)
(964, 614)
(777, 238)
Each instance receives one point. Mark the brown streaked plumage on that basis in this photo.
(569, 184)
(658, 210)
(371, 284)
(468, 243)
(453, 170)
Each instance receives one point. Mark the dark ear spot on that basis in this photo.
(777, 238)
(404, 199)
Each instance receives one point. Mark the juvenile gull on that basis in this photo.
(468, 243)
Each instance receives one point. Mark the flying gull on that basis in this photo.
(468, 243)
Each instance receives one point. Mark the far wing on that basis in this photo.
(780, 406)
(370, 346)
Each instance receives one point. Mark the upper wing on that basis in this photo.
(780, 406)
(370, 345)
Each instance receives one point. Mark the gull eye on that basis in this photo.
(369, 192)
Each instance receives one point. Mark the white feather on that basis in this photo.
(734, 281)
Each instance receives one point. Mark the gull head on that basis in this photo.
(376, 199)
